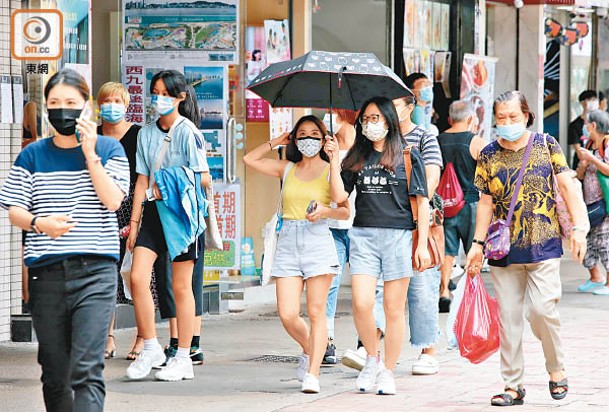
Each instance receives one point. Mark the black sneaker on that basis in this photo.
(330, 355)
(196, 355)
(170, 352)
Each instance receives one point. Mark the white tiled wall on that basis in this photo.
(10, 145)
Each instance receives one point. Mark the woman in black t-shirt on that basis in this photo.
(113, 100)
(381, 237)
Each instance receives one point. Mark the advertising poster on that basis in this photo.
(210, 84)
(216, 152)
(410, 19)
(227, 198)
(442, 62)
(278, 50)
(75, 31)
(436, 26)
(426, 63)
(257, 109)
(477, 86)
(211, 87)
(445, 19)
(426, 23)
(412, 60)
(280, 121)
(197, 29)
(277, 43)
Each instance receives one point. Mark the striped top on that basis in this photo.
(46, 179)
(428, 146)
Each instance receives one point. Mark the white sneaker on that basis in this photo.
(355, 359)
(310, 384)
(386, 382)
(176, 370)
(143, 364)
(425, 365)
(303, 367)
(368, 376)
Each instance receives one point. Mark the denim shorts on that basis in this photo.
(305, 249)
(460, 228)
(381, 252)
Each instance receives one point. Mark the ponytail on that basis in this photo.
(189, 107)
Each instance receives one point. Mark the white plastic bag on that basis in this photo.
(213, 238)
(126, 273)
(451, 337)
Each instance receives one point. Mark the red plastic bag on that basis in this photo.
(477, 324)
(450, 190)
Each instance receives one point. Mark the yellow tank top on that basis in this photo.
(297, 194)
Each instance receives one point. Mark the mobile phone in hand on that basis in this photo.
(312, 207)
(84, 114)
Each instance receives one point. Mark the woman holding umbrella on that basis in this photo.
(381, 236)
(304, 233)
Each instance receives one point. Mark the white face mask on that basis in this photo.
(374, 132)
(592, 105)
(308, 146)
(335, 124)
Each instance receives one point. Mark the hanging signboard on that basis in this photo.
(227, 198)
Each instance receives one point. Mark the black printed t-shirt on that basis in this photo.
(382, 195)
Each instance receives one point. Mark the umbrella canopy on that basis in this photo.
(327, 80)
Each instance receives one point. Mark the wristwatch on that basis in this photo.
(33, 225)
(479, 242)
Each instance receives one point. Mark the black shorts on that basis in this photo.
(151, 235)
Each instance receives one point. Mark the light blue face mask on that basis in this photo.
(511, 132)
(163, 104)
(585, 132)
(427, 94)
(112, 112)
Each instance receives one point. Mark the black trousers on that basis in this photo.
(71, 304)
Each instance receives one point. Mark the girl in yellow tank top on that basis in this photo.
(305, 252)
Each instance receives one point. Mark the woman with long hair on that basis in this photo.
(381, 236)
(175, 102)
(305, 233)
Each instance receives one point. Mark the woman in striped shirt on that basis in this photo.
(64, 190)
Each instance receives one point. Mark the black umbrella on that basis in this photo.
(327, 80)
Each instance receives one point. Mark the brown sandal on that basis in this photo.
(133, 354)
(110, 353)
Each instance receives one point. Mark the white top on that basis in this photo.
(344, 224)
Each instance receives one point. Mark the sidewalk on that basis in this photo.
(250, 365)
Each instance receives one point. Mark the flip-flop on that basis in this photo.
(564, 384)
(133, 354)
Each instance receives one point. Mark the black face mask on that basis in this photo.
(64, 120)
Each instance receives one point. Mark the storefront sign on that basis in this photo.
(477, 86)
(227, 201)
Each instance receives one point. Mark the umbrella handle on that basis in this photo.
(340, 76)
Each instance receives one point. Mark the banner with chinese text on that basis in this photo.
(227, 201)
